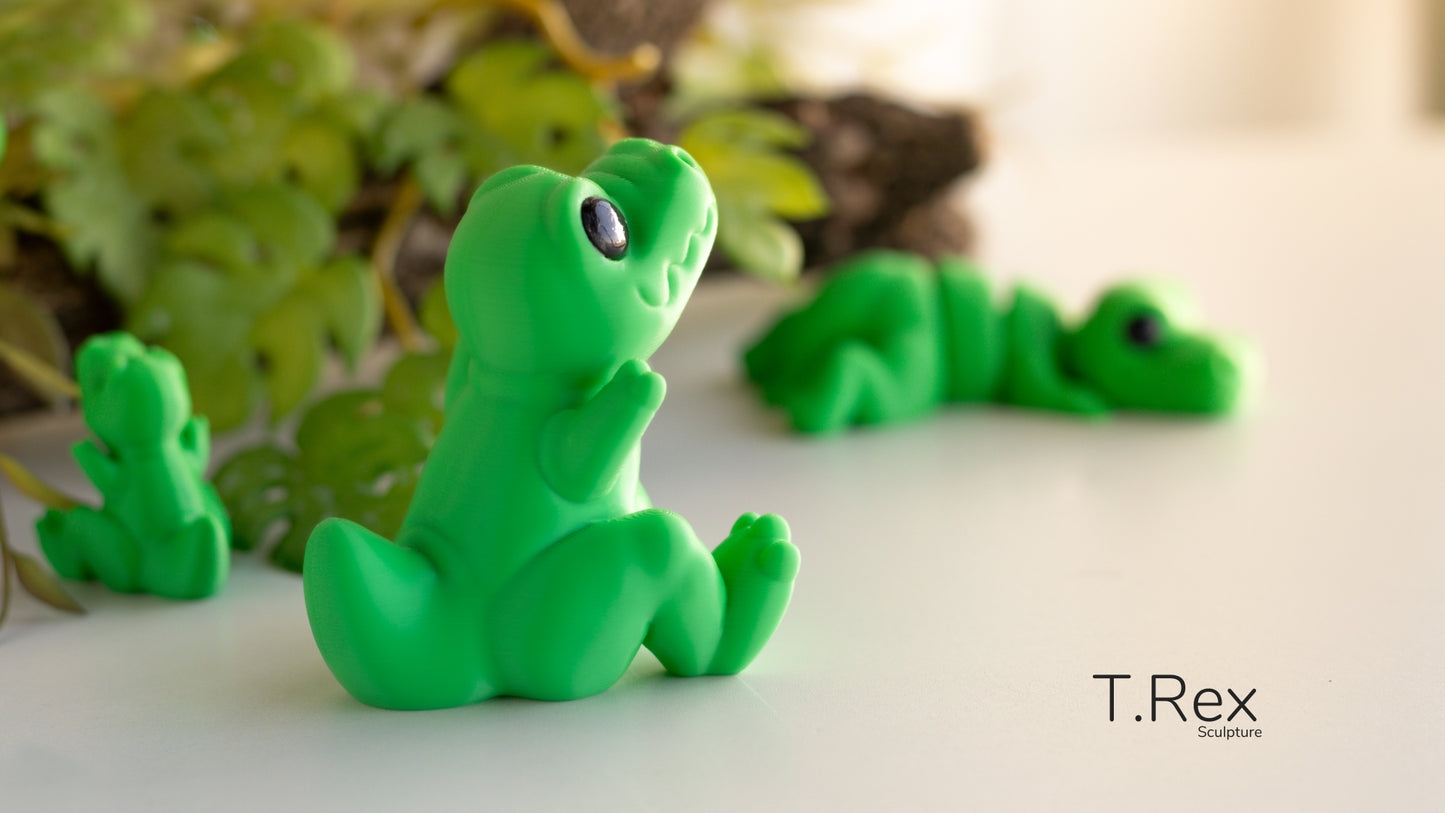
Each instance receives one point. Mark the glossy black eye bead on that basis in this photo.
(1144, 330)
(605, 227)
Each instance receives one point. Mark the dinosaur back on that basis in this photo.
(974, 338)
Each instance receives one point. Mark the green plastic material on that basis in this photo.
(890, 338)
(530, 562)
(162, 528)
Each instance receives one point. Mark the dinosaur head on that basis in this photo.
(131, 395)
(553, 274)
(1137, 350)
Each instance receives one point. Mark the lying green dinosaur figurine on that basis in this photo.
(890, 338)
(161, 529)
(530, 563)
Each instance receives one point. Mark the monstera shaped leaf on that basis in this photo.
(249, 301)
(758, 185)
(358, 455)
(505, 104)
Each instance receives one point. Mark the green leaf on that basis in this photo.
(236, 333)
(225, 389)
(37, 582)
(418, 127)
(540, 114)
(359, 111)
(291, 226)
(253, 485)
(192, 305)
(414, 388)
(164, 142)
(345, 293)
(358, 455)
(204, 316)
(745, 128)
(756, 183)
(256, 117)
(306, 59)
(763, 246)
(46, 44)
(104, 227)
(436, 316)
(325, 161)
(441, 176)
(286, 344)
(781, 184)
(216, 239)
(337, 302)
(27, 325)
(739, 151)
(104, 220)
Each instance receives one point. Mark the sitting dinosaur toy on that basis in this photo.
(529, 562)
(890, 338)
(162, 528)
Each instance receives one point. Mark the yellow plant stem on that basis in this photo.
(551, 18)
(37, 373)
(383, 262)
(33, 487)
(26, 219)
(5, 566)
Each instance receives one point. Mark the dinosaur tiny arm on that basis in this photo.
(102, 469)
(584, 449)
(1033, 377)
(196, 443)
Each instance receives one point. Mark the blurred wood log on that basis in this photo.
(888, 169)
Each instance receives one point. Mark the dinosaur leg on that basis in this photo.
(776, 356)
(571, 621)
(867, 350)
(758, 564)
(197, 564)
(856, 383)
(389, 629)
(83, 543)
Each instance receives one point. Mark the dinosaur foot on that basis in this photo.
(758, 564)
(199, 564)
(385, 627)
(59, 548)
(83, 543)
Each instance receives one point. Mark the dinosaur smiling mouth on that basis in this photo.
(661, 290)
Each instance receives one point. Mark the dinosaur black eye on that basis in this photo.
(1144, 330)
(605, 227)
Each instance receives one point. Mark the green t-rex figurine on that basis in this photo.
(530, 563)
(890, 338)
(162, 528)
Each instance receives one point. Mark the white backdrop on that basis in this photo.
(1059, 73)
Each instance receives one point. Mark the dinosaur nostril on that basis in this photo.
(685, 158)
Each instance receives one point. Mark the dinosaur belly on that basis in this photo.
(482, 507)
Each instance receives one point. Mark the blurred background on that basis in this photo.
(267, 188)
(1063, 74)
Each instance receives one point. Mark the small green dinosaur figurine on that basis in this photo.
(530, 563)
(162, 528)
(890, 338)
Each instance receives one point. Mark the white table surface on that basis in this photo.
(962, 578)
